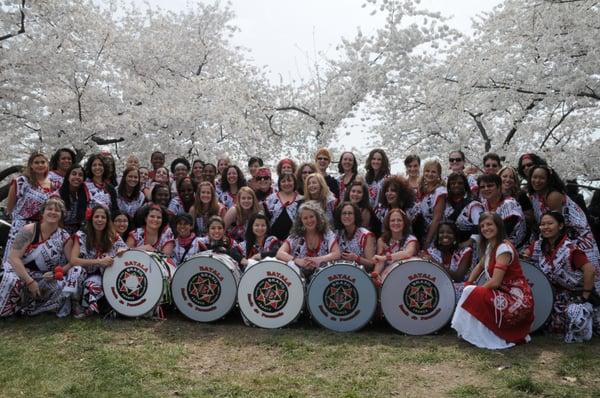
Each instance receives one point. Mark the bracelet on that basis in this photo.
(30, 282)
(388, 257)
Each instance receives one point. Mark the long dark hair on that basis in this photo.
(65, 193)
(383, 171)
(56, 157)
(337, 215)
(354, 164)
(555, 183)
(122, 190)
(165, 216)
(386, 236)
(500, 235)
(559, 218)
(405, 196)
(241, 180)
(249, 237)
(106, 238)
(364, 202)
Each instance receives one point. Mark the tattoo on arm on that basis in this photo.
(23, 238)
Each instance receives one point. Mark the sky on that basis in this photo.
(287, 36)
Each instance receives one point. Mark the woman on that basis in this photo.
(356, 243)
(348, 169)
(575, 281)
(397, 194)
(432, 202)
(196, 173)
(358, 194)
(236, 218)
(180, 168)
(508, 208)
(511, 186)
(286, 166)
(491, 163)
(396, 243)
(60, 163)
(93, 250)
(499, 313)
(123, 224)
(187, 244)
(323, 160)
(155, 235)
(26, 196)
(548, 192)
(254, 163)
(447, 252)
(184, 200)
(304, 171)
(526, 162)
(282, 206)
(264, 184)
(218, 242)
(259, 243)
(209, 173)
(456, 164)
(311, 243)
(129, 193)
(316, 189)
(205, 206)
(461, 207)
(377, 168)
(28, 286)
(101, 191)
(412, 164)
(75, 196)
(145, 181)
(160, 177)
(232, 180)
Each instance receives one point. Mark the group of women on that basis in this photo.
(68, 222)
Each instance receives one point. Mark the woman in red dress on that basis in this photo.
(499, 313)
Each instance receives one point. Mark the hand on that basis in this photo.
(105, 261)
(311, 262)
(34, 289)
(256, 257)
(379, 260)
(121, 251)
(348, 256)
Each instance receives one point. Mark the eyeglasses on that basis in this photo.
(527, 165)
(454, 160)
(322, 158)
(347, 213)
(263, 178)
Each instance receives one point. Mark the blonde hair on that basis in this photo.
(324, 193)
(242, 215)
(423, 186)
(28, 171)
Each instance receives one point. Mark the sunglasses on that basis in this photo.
(455, 160)
(263, 178)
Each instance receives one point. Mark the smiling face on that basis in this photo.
(99, 219)
(431, 174)
(132, 162)
(209, 173)
(376, 161)
(206, 194)
(181, 171)
(184, 229)
(97, 169)
(446, 235)
(197, 170)
(246, 200)
(253, 168)
(64, 161)
(491, 166)
(313, 187)
(488, 229)
(508, 180)
(413, 169)
(162, 196)
(456, 187)
(143, 175)
(391, 195)
(539, 179)
(456, 162)
(309, 220)
(323, 162)
(347, 162)
(550, 227)
(259, 228)
(287, 168)
(287, 183)
(132, 179)
(161, 176)
(186, 191)
(157, 160)
(121, 223)
(396, 223)
(356, 194)
(222, 164)
(154, 219)
(76, 178)
(347, 216)
(489, 190)
(52, 214)
(216, 231)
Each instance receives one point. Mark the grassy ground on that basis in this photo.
(45, 356)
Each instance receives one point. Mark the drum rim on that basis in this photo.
(301, 281)
(104, 286)
(317, 319)
(417, 259)
(235, 299)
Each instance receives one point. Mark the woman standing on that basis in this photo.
(356, 243)
(26, 196)
(282, 206)
(232, 180)
(358, 194)
(575, 281)
(348, 169)
(129, 193)
(311, 243)
(101, 191)
(206, 206)
(93, 250)
(304, 171)
(377, 168)
(184, 200)
(28, 286)
(236, 218)
(432, 203)
(412, 164)
(60, 163)
(75, 196)
(498, 314)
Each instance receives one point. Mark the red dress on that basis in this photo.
(508, 310)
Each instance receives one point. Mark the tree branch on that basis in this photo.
(518, 121)
(482, 130)
(106, 141)
(562, 119)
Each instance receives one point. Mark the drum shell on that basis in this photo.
(204, 287)
(541, 290)
(271, 294)
(137, 282)
(341, 296)
(417, 297)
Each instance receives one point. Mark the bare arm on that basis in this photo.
(229, 218)
(11, 200)
(410, 251)
(22, 241)
(438, 212)
(463, 266)
(503, 261)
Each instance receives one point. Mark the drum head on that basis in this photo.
(417, 297)
(271, 294)
(133, 285)
(204, 287)
(342, 297)
(541, 289)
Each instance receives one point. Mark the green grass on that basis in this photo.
(45, 356)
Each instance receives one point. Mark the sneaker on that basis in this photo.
(78, 311)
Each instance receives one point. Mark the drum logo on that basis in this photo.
(204, 289)
(132, 283)
(340, 297)
(271, 295)
(421, 296)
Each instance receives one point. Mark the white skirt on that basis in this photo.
(472, 330)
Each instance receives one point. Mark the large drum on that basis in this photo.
(417, 297)
(342, 296)
(204, 287)
(271, 294)
(137, 282)
(541, 289)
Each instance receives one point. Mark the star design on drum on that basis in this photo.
(131, 284)
(203, 289)
(340, 298)
(270, 295)
(421, 297)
